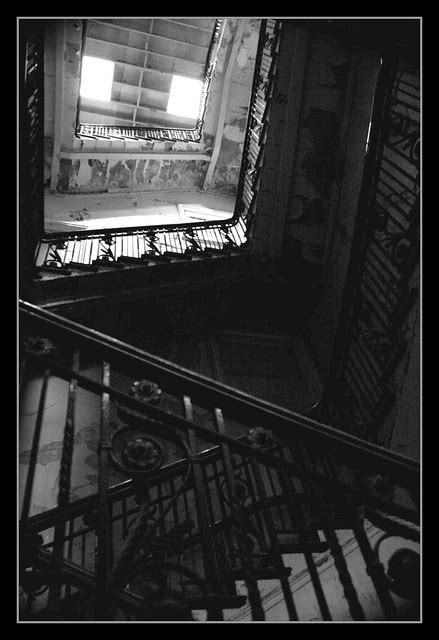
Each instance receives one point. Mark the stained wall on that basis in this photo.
(90, 166)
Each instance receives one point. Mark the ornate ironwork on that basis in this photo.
(403, 573)
(403, 570)
(152, 242)
(146, 391)
(258, 116)
(39, 346)
(54, 258)
(135, 453)
(381, 289)
(191, 518)
(261, 438)
(105, 251)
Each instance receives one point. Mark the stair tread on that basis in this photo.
(156, 257)
(177, 256)
(61, 270)
(133, 260)
(112, 264)
(83, 267)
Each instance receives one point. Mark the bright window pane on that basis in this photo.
(184, 97)
(96, 78)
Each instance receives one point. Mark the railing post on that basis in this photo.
(102, 604)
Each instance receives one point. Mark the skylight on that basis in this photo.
(184, 97)
(96, 78)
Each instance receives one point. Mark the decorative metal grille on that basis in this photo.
(382, 286)
(181, 510)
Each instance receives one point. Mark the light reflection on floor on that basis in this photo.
(67, 212)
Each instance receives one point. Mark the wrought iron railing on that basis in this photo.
(199, 486)
(90, 248)
(258, 120)
(381, 287)
(83, 247)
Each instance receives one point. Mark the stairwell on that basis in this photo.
(182, 475)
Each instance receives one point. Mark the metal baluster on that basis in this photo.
(47, 254)
(89, 261)
(71, 535)
(34, 451)
(274, 543)
(279, 509)
(219, 238)
(83, 543)
(64, 483)
(160, 506)
(175, 504)
(241, 533)
(74, 249)
(254, 499)
(224, 516)
(179, 234)
(342, 568)
(111, 521)
(291, 500)
(102, 610)
(200, 486)
(124, 517)
(337, 553)
(374, 568)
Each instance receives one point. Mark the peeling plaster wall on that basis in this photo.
(317, 177)
(226, 174)
(103, 172)
(49, 100)
(111, 175)
(84, 476)
(326, 172)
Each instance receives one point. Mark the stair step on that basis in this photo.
(177, 256)
(223, 252)
(133, 260)
(198, 254)
(83, 267)
(156, 257)
(108, 263)
(60, 270)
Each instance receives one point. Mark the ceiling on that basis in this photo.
(147, 53)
